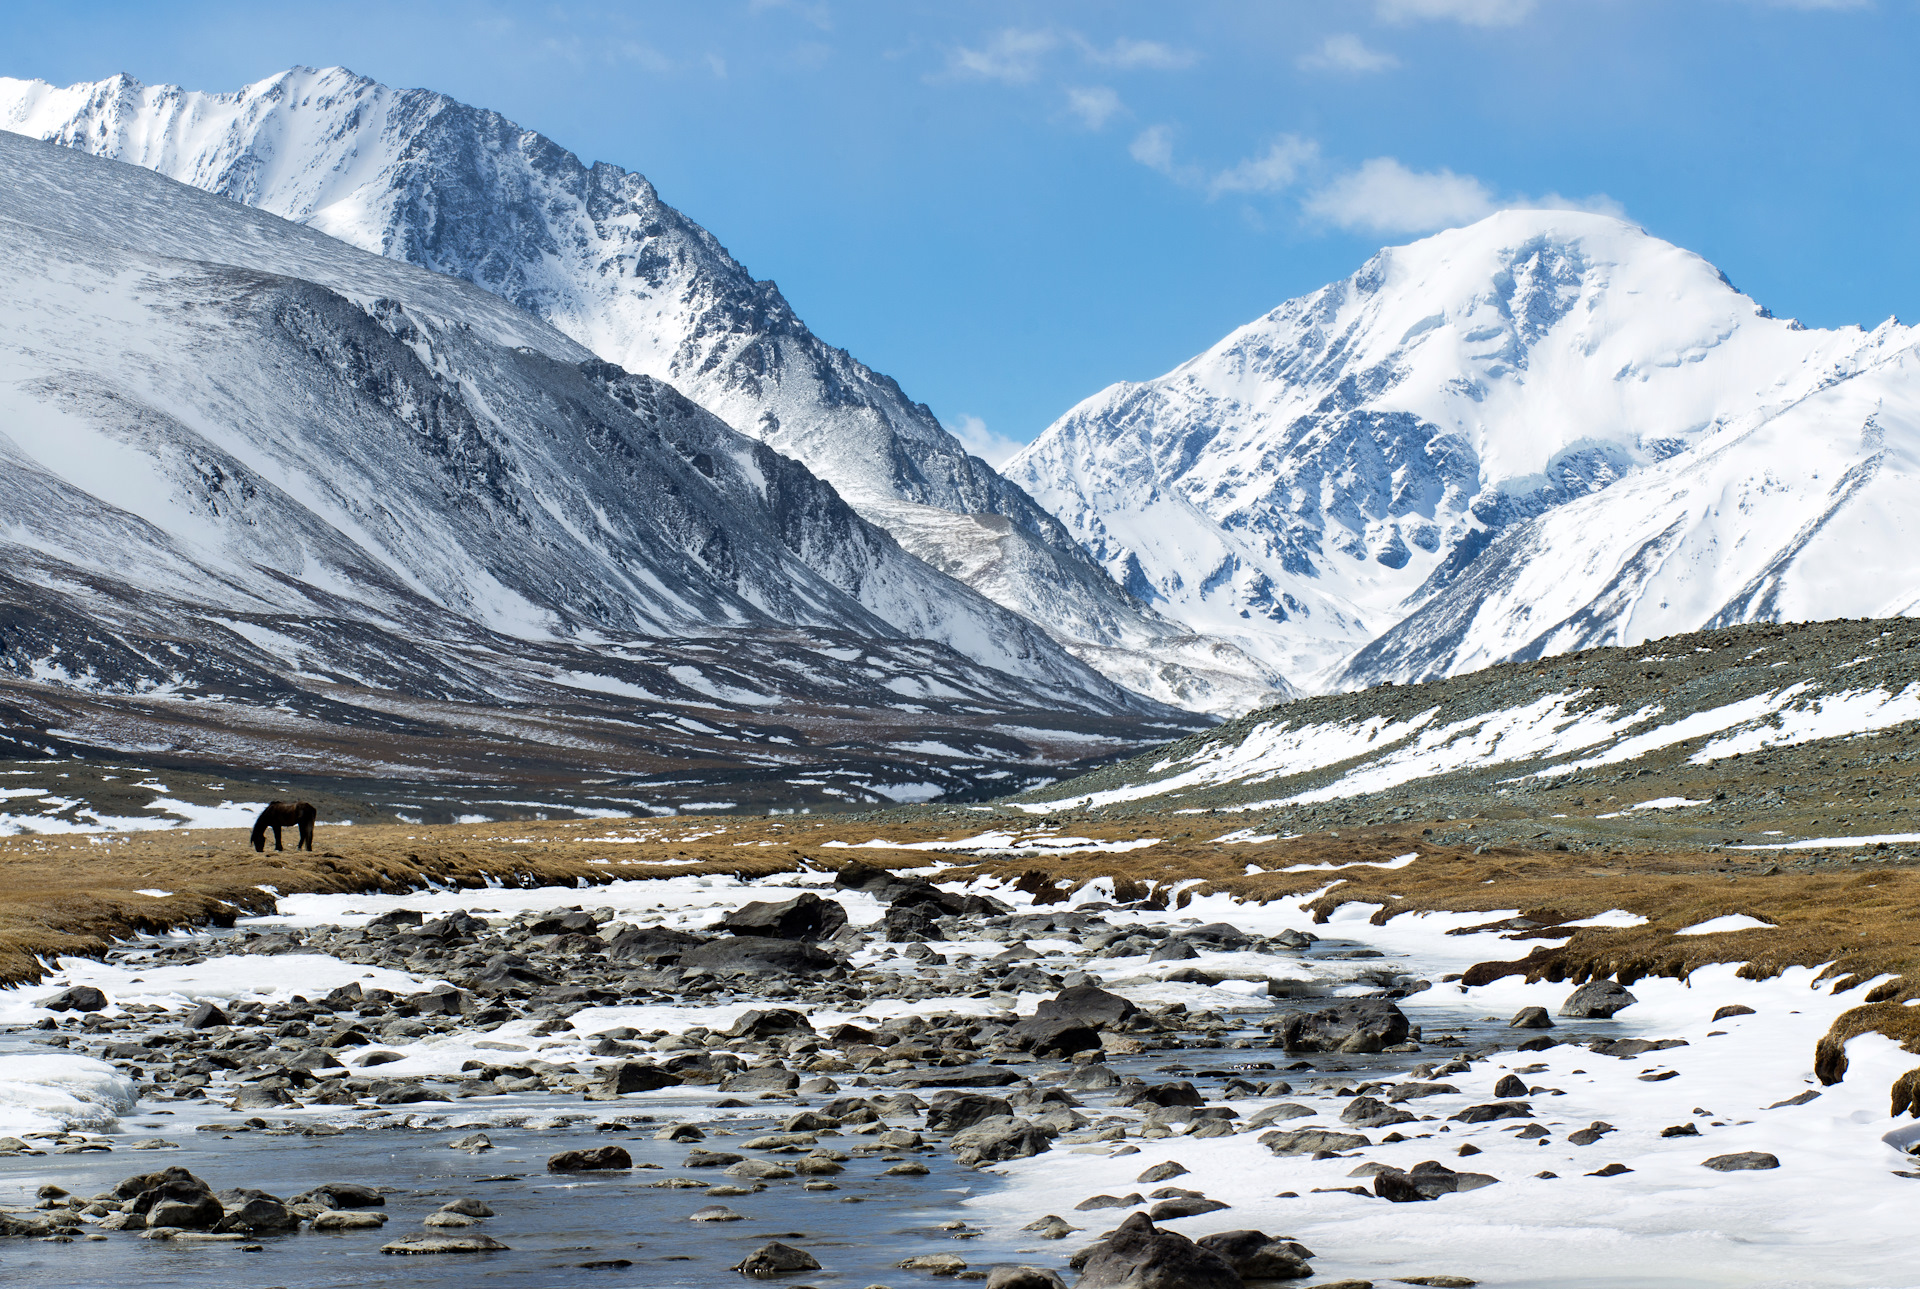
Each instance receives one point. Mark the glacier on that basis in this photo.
(1546, 431)
(416, 176)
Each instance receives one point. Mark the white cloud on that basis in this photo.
(1095, 105)
(1272, 170)
(995, 449)
(1269, 171)
(1131, 54)
(1347, 53)
(1475, 13)
(1384, 196)
(1013, 56)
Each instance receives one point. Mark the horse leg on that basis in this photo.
(306, 835)
(276, 838)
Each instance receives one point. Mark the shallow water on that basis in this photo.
(552, 1223)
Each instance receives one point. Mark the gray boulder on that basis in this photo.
(953, 1111)
(1255, 1255)
(1596, 1000)
(1022, 1277)
(804, 917)
(592, 1160)
(81, 998)
(1001, 1137)
(757, 954)
(1356, 1025)
(1140, 1256)
(1531, 1018)
(773, 1259)
(1087, 1004)
(1307, 1141)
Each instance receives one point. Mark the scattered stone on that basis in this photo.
(1741, 1162)
(81, 998)
(1494, 1111)
(804, 917)
(421, 1244)
(1024, 1277)
(1681, 1130)
(715, 1213)
(1087, 1005)
(999, 1138)
(1184, 1206)
(1139, 1256)
(1051, 1227)
(1611, 1170)
(1732, 1010)
(933, 1264)
(1811, 1094)
(1257, 1256)
(594, 1159)
(775, 1258)
(1162, 1172)
(348, 1220)
(1510, 1086)
(1531, 1018)
(1355, 1026)
(1306, 1141)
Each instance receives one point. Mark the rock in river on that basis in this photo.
(596, 1159)
(1139, 1256)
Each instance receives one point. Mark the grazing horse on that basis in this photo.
(279, 814)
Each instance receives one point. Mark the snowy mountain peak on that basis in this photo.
(417, 176)
(1324, 471)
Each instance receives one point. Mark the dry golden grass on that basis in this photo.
(73, 895)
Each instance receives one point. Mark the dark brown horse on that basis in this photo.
(279, 814)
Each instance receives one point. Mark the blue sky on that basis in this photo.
(1009, 206)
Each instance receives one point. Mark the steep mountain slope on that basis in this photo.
(1387, 443)
(245, 463)
(415, 176)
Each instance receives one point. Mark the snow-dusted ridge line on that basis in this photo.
(1543, 432)
(416, 176)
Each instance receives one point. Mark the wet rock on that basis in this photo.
(952, 1111)
(1440, 1282)
(426, 1244)
(758, 1170)
(1173, 951)
(959, 1076)
(1597, 1000)
(715, 1213)
(1681, 1130)
(933, 1264)
(758, 955)
(804, 917)
(442, 1220)
(1093, 1202)
(1024, 1277)
(630, 1076)
(1731, 1010)
(348, 1220)
(1280, 1113)
(1054, 1035)
(34, 1226)
(473, 1143)
(1510, 1086)
(711, 1159)
(1611, 1170)
(1413, 1091)
(775, 1022)
(999, 1138)
(81, 998)
(259, 1098)
(1256, 1255)
(1051, 1227)
(595, 1159)
(768, 1078)
(467, 1207)
(1531, 1018)
(773, 1259)
(1162, 1172)
(1741, 1162)
(255, 1213)
(1086, 1005)
(1139, 1256)
(1306, 1141)
(1179, 1093)
(205, 1016)
(1357, 1025)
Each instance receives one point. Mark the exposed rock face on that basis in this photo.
(757, 953)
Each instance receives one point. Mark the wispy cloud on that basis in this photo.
(1384, 196)
(995, 449)
(1012, 57)
(1131, 54)
(1018, 55)
(1095, 105)
(1347, 53)
(1476, 13)
(1271, 170)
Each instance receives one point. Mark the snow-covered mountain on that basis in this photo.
(415, 176)
(238, 457)
(1545, 431)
